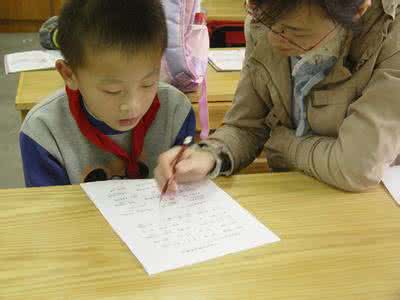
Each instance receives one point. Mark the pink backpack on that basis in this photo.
(185, 60)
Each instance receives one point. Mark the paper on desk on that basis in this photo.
(31, 60)
(202, 222)
(227, 60)
(391, 179)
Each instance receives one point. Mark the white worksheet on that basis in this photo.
(199, 223)
(31, 60)
(391, 179)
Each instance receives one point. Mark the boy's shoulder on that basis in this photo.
(51, 112)
(175, 110)
(174, 105)
(171, 96)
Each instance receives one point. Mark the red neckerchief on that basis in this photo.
(96, 137)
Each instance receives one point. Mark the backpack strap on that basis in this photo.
(203, 111)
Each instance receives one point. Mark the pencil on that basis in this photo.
(184, 146)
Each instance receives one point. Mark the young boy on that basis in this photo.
(114, 119)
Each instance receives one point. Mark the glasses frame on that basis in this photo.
(257, 18)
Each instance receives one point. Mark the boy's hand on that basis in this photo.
(193, 166)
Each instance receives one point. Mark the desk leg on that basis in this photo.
(23, 114)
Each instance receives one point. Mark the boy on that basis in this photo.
(114, 119)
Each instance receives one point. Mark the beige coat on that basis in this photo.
(354, 113)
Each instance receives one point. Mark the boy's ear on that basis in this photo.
(67, 74)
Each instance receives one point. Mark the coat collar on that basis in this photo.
(390, 7)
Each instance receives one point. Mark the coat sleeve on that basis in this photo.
(244, 131)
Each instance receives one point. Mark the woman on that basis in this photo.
(320, 90)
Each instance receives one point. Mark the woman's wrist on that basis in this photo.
(222, 165)
(215, 171)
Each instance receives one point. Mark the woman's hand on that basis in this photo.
(194, 165)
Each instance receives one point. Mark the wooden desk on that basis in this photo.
(335, 245)
(224, 10)
(35, 85)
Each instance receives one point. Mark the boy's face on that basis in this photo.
(117, 89)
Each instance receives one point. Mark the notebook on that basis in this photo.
(31, 60)
(226, 60)
(391, 179)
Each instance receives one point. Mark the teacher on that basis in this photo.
(319, 91)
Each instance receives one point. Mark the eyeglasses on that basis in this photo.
(259, 16)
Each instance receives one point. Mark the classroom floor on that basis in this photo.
(10, 160)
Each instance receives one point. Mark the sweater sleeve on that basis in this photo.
(40, 167)
(188, 128)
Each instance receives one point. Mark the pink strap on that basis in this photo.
(203, 110)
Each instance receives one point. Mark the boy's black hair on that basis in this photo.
(341, 11)
(128, 25)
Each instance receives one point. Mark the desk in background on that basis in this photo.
(33, 86)
(225, 22)
(224, 10)
(335, 245)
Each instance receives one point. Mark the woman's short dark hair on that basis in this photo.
(128, 25)
(341, 11)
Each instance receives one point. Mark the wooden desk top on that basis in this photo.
(225, 10)
(335, 245)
